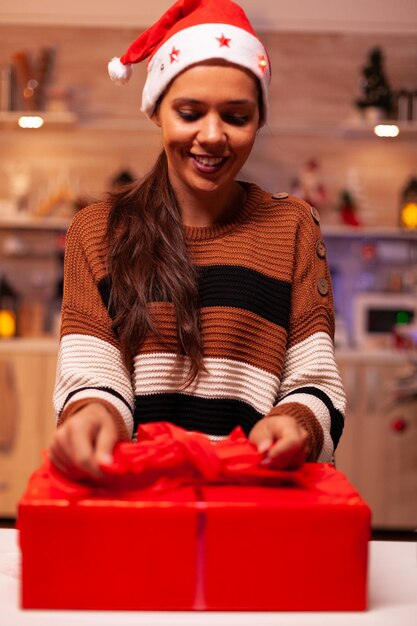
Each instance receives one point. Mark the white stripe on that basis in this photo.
(322, 414)
(224, 379)
(86, 361)
(312, 363)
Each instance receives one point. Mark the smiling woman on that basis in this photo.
(193, 297)
(207, 136)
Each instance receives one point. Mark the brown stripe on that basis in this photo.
(308, 269)
(270, 232)
(227, 333)
(317, 319)
(83, 310)
(74, 322)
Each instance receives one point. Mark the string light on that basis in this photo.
(387, 130)
(30, 121)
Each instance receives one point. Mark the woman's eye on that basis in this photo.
(236, 120)
(189, 116)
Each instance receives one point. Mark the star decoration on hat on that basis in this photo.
(174, 54)
(263, 63)
(223, 41)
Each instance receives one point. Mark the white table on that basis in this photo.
(392, 598)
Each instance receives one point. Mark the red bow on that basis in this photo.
(167, 456)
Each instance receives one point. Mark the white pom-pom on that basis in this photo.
(118, 72)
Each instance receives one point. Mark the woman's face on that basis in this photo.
(209, 117)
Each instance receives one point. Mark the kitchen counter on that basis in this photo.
(371, 357)
(392, 598)
(24, 345)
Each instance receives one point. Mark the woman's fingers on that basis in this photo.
(283, 441)
(285, 455)
(83, 442)
(262, 435)
(105, 442)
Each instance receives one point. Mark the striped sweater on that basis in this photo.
(267, 324)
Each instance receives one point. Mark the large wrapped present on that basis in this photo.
(182, 523)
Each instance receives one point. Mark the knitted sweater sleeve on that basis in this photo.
(90, 367)
(311, 389)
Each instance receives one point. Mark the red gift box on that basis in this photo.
(181, 523)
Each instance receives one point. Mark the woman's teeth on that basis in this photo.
(208, 161)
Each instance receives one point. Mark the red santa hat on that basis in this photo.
(189, 32)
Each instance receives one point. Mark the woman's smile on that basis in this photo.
(208, 164)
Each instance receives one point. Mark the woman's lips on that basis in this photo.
(208, 164)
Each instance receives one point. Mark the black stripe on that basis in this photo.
(244, 288)
(114, 393)
(212, 416)
(337, 419)
(104, 288)
(234, 286)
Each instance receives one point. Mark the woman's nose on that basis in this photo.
(212, 130)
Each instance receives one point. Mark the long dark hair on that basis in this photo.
(148, 261)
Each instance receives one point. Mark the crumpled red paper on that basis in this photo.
(167, 456)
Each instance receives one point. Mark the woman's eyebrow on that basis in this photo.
(187, 101)
(179, 101)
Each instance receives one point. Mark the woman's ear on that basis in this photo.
(155, 117)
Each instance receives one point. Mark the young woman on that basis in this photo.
(191, 297)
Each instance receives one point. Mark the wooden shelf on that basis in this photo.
(350, 129)
(29, 345)
(33, 223)
(51, 119)
(364, 232)
(363, 129)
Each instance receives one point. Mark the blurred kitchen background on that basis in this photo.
(342, 134)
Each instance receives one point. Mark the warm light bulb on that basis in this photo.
(30, 121)
(387, 130)
(7, 323)
(409, 215)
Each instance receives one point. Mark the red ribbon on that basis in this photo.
(167, 456)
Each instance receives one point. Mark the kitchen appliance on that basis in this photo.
(375, 314)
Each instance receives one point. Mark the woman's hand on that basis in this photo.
(283, 439)
(83, 442)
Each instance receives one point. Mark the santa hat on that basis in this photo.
(192, 31)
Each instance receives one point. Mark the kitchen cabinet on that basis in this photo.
(377, 451)
(27, 374)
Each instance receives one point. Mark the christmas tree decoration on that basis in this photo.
(348, 209)
(408, 204)
(376, 92)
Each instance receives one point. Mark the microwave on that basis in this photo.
(376, 314)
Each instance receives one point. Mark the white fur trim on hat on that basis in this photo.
(118, 72)
(199, 43)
